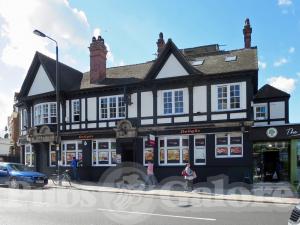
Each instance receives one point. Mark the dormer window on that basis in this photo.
(230, 58)
(45, 113)
(260, 112)
(198, 62)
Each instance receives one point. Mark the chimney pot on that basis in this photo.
(160, 43)
(98, 54)
(247, 33)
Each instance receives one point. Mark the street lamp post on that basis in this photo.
(41, 34)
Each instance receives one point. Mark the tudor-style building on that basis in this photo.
(198, 102)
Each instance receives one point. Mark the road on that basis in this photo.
(74, 207)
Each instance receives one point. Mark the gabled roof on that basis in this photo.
(170, 48)
(70, 78)
(268, 91)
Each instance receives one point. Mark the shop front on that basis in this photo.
(276, 153)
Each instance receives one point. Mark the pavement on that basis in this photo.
(279, 193)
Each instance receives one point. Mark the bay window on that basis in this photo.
(173, 150)
(45, 113)
(71, 149)
(112, 107)
(228, 96)
(229, 145)
(104, 152)
(173, 102)
(200, 150)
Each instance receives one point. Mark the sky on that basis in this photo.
(130, 29)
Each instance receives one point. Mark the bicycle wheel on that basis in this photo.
(54, 179)
(66, 178)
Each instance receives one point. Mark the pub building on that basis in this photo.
(199, 105)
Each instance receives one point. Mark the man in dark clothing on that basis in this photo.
(74, 165)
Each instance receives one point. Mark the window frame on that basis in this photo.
(229, 145)
(39, 115)
(75, 104)
(200, 147)
(173, 102)
(117, 107)
(145, 139)
(110, 150)
(64, 151)
(31, 155)
(166, 148)
(260, 106)
(228, 97)
(50, 153)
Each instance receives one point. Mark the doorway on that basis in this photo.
(127, 153)
(271, 162)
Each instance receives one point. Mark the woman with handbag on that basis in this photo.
(188, 177)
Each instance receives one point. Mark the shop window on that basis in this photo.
(260, 112)
(148, 152)
(229, 145)
(29, 156)
(104, 152)
(112, 107)
(45, 113)
(52, 155)
(173, 102)
(200, 150)
(173, 150)
(71, 149)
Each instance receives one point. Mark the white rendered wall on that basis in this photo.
(172, 68)
(277, 110)
(132, 109)
(146, 104)
(41, 83)
(92, 108)
(200, 99)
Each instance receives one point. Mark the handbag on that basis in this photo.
(183, 173)
(194, 175)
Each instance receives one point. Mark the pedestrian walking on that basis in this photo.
(189, 176)
(74, 165)
(150, 174)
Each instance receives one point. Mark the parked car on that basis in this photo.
(295, 216)
(17, 175)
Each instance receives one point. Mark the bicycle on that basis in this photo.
(64, 177)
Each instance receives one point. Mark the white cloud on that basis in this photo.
(284, 2)
(96, 32)
(298, 74)
(283, 83)
(292, 50)
(71, 32)
(110, 56)
(280, 62)
(262, 65)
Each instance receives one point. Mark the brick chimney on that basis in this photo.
(98, 53)
(160, 43)
(247, 33)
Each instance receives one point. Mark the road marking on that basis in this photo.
(156, 214)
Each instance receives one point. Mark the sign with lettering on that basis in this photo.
(280, 132)
(292, 132)
(85, 137)
(190, 131)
